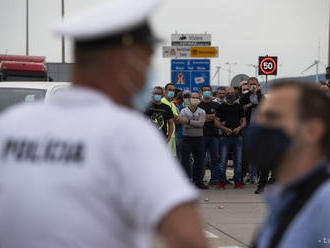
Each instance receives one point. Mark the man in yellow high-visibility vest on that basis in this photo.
(168, 97)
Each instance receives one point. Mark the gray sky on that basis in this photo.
(243, 30)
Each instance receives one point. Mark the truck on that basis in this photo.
(23, 68)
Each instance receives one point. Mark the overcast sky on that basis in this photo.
(243, 30)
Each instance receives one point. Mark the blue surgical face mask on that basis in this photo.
(157, 98)
(170, 94)
(206, 94)
(141, 100)
(266, 147)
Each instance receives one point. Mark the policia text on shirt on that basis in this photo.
(48, 151)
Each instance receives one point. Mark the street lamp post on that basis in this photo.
(230, 71)
(63, 39)
(27, 29)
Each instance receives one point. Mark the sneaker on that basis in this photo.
(221, 186)
(202, 186)
(239, 186)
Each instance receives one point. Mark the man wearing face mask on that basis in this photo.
(231, 120)
(325, 89)
(88, 170)
(186, 98)
(210, 132)
(179, 128)
(255, 98)
(192, 142)
(161, 114)
(220, 97)
(244, 100)
(327, 75)
(292, 137)
(167, 99)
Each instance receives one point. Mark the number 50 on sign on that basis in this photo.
(267, 65)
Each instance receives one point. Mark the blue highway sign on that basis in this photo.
(190, 74)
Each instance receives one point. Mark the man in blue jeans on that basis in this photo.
(231, 120)
(210, 132)
(194, 118)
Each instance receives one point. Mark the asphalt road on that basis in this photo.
(230, 216)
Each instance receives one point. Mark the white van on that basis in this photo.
(12, 93)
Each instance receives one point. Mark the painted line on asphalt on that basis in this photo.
(228, 235)
(210, 235)
(229, 247)
(205, 203)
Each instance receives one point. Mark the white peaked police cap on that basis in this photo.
(111, 20)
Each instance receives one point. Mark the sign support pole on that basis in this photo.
(27, 29)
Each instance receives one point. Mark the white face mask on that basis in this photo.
(194, 101)
(140, 98)
(186, 101)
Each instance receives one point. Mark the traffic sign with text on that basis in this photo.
(190, 74)
(191, 39)
(176, 52)
(204, 52)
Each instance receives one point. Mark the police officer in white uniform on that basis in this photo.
(84, 171)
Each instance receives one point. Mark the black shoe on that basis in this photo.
(213, 183)
(259, 190)
(228, 182)
(271, 181)
(202, 186)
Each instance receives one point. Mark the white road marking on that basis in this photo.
(229, 247)
(210, 235)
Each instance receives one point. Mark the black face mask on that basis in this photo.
(230, 98)
(266, 147)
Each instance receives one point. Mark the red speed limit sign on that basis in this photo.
(267, 65)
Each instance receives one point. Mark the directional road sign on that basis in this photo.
(190, 74)
(176, 52)
(204, 52)
(191, 39)
(190, 52)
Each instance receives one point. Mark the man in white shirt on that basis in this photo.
(192, 142)
(76, 172)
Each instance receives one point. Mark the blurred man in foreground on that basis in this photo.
(292, 137)
(86, 171)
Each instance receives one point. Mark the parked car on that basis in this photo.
(12, 93)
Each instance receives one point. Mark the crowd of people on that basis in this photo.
(206, 128)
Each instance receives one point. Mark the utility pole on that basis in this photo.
(63, 39)
(27, 29)
(230, 71)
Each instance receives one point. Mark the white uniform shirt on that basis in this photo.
(83, 172)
